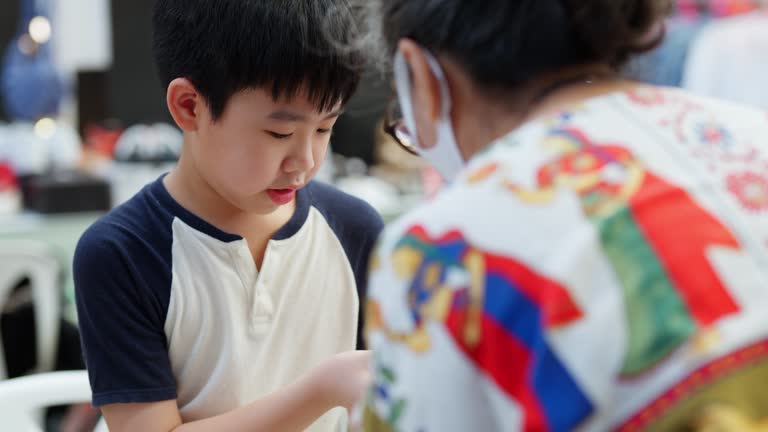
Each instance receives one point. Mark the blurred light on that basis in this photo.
(40, 29)
(45, 128)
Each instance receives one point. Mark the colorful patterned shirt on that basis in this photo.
(603, 269)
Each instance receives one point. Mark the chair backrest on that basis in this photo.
(21, 399)
(19, 259)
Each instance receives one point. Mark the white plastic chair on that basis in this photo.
(34, 260)
(22, 399)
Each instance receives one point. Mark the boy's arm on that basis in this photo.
(122, 293)
(339, 382)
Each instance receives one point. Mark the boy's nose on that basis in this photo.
(302, 160)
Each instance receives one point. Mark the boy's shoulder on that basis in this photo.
(356, 225)
(131, 224)
(132, 239)
(343, 211)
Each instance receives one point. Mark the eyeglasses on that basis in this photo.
(394, 126)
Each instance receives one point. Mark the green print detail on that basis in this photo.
(648, 292)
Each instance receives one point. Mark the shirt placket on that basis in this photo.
(263, 309)
(260, 305)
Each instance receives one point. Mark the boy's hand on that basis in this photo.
(340, 381)
(344, 379)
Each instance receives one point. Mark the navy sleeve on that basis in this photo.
(368, 227)
(121, 316)
(357, 225)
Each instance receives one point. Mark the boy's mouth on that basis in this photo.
(281, 196)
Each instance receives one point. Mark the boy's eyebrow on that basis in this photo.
(291, 116)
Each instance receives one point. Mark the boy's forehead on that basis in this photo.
(285, 105)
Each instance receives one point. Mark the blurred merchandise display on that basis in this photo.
(158, 143)
(10, 194)
(142, 154)
(101, 139)
(35, 148)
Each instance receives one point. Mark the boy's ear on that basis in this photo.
(185, 104)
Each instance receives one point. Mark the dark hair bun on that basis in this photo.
(612, 31)
(504, 43)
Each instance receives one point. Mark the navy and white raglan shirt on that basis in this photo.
(170, 307)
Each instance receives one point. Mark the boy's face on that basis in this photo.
(260, 151)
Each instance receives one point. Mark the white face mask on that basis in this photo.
(444, 156)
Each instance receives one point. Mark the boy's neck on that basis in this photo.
(195, 194)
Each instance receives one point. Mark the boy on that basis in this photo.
(225, 295)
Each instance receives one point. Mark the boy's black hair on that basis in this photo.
(286, 46)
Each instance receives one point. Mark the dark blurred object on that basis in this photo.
(8, 26)
(19, 342)
(65, 192)
(135, 93)
(92, 99)
(355, 133)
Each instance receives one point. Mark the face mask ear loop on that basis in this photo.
(445, 92)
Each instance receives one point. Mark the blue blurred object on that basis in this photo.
(30, 84)
(665, 65)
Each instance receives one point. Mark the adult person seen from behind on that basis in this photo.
(599, 259)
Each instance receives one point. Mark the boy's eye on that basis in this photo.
(279, 135)
(324, 131)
